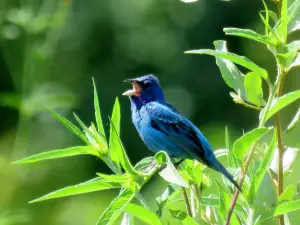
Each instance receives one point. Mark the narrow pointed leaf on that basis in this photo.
(60, 153)
(243, 144)
(289, 194)
(294, 16)
(253, 87)
(115, 147)
(294, 121)
(280, 103)
(116, 208)
(240, 60)
(121, 179)
(96, 184)
(143, 214)
(281, 209)
(120, 152)
(182, 217)
(250, 34)
(98, 111)
(284, 19)
(264, 165)
(68, 125)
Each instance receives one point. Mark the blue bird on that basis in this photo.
(162, 127)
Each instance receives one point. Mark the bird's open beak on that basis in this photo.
(136, 89)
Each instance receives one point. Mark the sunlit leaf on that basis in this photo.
(250, 34)
(114, 145)
(98, 111)
(127, 219)
(264, 165)
(280, 103)
(60, 153)
(162, 200)
(120, 151)
(182, 217)
(244, 143)
(294, 121)
(284, 18)
(282, 208)
(253, 87)
(288, 194)
(68, 125)
(289, 157)
(240, 60)
(294, 16)
(121, 179)
(224, 203)
(143, 214)
(116, 207)
(169, 173)
(96, 184)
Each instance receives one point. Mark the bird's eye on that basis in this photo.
(146, 84)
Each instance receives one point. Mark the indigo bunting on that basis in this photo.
(162, 127)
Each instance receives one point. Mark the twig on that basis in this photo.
(237, 192)
(186, 201)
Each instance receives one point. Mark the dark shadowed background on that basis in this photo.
(51, 49)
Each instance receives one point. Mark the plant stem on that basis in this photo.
(186, 201)
(272, 95)
(279, 143)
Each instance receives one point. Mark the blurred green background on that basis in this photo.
(51, 49)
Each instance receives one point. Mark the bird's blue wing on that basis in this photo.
(179, 129)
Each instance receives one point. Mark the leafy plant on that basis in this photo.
(251, 158)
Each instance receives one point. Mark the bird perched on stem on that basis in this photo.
(162, 127)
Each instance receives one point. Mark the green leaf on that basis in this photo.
(115, 147)
(288, 194)
(250, 34)
(143, 214)
(240, 60)
(264, 165)
(127, 219)
(121, 179)
(287, 207)
(294, 121)
(294, 16)
(182, 217)
(169, 173)
(116, 207)
(68, 125)
(289, 157)
(98, 111)
(60, 153)
(162, 200)
(293, 56)
(284, 19)
(253, 87)
(230, 73)
(224, 203)
(120, 151)
(145, 165)
(244, 143)
(280, 103)
(96, 184)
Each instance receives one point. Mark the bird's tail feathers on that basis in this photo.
(220, 168)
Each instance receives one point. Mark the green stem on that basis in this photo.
(186, 201)
(280, 146)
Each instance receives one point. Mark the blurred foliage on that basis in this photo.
(50, 49)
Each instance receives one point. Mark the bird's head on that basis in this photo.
(145, 89)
